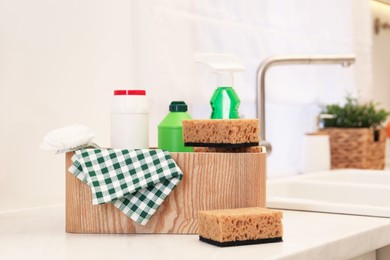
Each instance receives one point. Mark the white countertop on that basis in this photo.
(40, 234)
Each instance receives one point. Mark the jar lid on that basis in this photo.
(178, 106)
(132, 92)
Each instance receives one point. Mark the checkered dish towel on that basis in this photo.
(135, 181)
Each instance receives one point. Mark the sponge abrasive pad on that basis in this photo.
(242, 226)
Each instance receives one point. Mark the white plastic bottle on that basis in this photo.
(130, 120)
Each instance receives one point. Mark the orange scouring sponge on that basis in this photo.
(243, 226)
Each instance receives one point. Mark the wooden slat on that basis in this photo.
(211, 181)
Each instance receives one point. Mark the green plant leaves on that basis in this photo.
(355, 115)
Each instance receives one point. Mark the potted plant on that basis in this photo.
(357, 138)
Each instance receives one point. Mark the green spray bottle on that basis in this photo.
(170, 130)
(225, 101)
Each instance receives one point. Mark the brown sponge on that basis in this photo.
(221, 132)
(243, 226)
(252, 149)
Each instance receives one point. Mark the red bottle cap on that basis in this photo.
(136, 92)
(119, 92)
(133, 92)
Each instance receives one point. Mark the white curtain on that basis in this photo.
(166, 34)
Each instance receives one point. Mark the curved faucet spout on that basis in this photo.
(343, 60)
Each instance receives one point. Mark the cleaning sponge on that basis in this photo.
(243, 226)
(230, 133)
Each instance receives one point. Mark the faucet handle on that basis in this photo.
(321, 117)
(326, 116)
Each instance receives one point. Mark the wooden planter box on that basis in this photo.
(211, 181)
(360, 148)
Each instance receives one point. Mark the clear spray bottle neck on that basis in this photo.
(225, 79)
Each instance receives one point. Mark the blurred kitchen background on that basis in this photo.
(61, 60)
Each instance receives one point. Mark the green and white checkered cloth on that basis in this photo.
(135, 181)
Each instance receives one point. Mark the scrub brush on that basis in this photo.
(69, 139)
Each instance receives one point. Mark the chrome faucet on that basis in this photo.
(343, 60)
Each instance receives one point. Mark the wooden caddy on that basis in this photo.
(211, 181)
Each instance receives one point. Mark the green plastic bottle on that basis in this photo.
(170, 130)
(224, 102)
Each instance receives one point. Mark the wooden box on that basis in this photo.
(211, 181)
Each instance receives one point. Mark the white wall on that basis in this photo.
(59, 62)
(381, 55)
(167, 33)
(381, 61)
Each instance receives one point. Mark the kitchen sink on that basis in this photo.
(350, 191)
